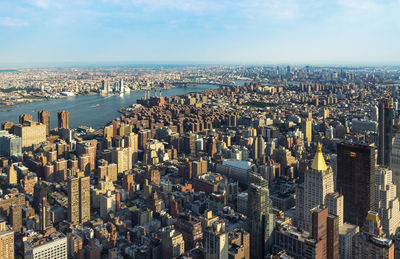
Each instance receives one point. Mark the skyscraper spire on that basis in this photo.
(318, 162)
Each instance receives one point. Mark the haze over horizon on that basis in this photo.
(202, 31)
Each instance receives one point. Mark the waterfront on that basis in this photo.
(91, 110)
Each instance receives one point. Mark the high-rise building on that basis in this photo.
(44, 215)
(395, 162)
(370, 242)
(31, 133)
(24, 118)
(306, 128)
(15, 217)
(6, 241)
(10, 145)
(325, 229)
(317, 189)
(79, 199)
(386, 202)
(258, 148)
(385, 131)
(216, 241)
(63, 120)
(356, 165)
(260, 220)
(44, 118)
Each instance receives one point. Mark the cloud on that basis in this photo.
(12, 22)
(45, 4)
(360, 4)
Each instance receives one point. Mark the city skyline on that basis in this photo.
(229, 32)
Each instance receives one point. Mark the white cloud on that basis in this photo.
(360, 4)
(12, 22)
(45, 4)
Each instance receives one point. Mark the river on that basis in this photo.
(83, 109)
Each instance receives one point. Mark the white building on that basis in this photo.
(318, 183)
(107, 204)
(55, 246)
(386, 201)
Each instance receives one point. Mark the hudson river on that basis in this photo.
(83, 109)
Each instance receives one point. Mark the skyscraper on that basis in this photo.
(318, 189)
(386, 201)
(385, 131)
(356, 180)
(79, 199)
(261, 220)
(44, 118)
(306, 128)
(44, 215)
(63, 120)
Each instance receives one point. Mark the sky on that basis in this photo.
(200, 31)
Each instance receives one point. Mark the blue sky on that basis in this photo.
(204, 31)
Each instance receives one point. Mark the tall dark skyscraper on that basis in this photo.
(356, 165)
(63, 120)
(44, 118)
(385, 130)
(260, 219)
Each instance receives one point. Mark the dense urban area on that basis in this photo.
(277, 162)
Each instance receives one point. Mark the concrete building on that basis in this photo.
(216, 241)
(172, 243)
(6, 241)
(79, 199)
(386, 201)
(346, 233)
(370, 242)
(31, 133)
(53, 246)
(306, 128)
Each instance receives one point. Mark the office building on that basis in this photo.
(356, 180)
(260, 219)
(10, 145)
(385, 131)
(31, 133)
